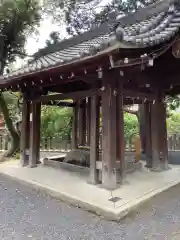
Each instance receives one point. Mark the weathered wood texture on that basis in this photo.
(75, 127)
(34, 135)
(88, 122)
(82, 122)
(163, 136)
(120, 132)
(94, 139)
(109, 133)
(147, 129)
(25, 133)
(155, 135)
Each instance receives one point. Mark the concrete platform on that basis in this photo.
(74, 189)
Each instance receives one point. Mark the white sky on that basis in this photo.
(46, 27)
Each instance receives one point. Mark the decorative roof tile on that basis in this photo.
(150, 26)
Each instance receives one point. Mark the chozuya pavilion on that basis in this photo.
(134, 59)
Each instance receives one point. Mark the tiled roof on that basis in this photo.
(150, 26)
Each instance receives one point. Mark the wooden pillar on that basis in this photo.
(25, 129)
(148, 146)
(109, 134)
(88, 114)
(155, 135)
(82, 123)
(163, 136)
(94, 139)
(142, 123)
(159, 135)
(38, 131)
(75, 126)
(120, 133)
(34, 135)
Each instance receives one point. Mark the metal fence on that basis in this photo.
(58, 144)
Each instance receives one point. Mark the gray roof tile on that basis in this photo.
(147, 27)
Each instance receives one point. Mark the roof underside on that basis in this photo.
(148, 27)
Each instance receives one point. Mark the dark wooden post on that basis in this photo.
(142, 123)
(25, 124)
(75, 126)
(163, 136)
(88, 114)
(34, 135)
(148, 146)
(94, 139)
(38, 131)
(155, 135)
(109, 134)
(120, 133)
(82, 123)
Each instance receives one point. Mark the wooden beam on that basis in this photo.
(72, 95)
(137, 94)
(60, 104)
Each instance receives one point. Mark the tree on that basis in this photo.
(18, 18)
(84, 15)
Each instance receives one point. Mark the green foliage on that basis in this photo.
(173, 124)
(56, 121)
(17, 20)
(131, 127)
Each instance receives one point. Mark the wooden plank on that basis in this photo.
(94, 139)
(24, 141)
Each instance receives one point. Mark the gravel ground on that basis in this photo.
(26, 213)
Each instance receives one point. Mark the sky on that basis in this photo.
(46, 27)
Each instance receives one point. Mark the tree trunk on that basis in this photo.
(15, 139)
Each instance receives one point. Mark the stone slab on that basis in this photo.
(73, 188)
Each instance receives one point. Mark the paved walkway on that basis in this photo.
(30, 214)
(73, 187)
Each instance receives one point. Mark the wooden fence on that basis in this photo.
(57, 144)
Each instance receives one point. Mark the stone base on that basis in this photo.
(78, 157)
